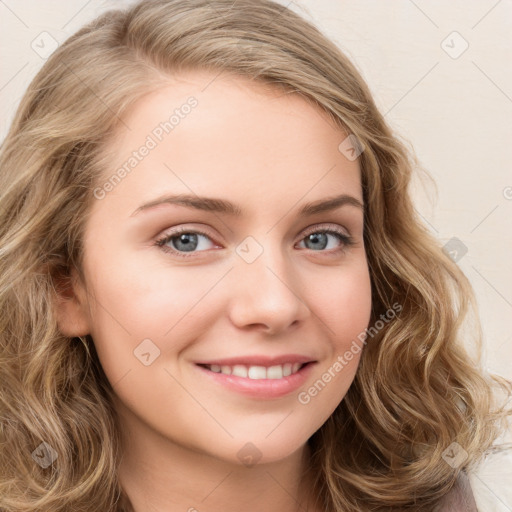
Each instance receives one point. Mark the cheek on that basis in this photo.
(344, 304)
(135, 303)
(148, 301)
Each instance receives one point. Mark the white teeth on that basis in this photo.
(257, 372)
(239, 370)
(275, 372)
(225, 369)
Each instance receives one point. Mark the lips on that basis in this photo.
(258, 376)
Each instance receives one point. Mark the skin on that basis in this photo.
(270, 153)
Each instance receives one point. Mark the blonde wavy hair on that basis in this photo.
(417, 389)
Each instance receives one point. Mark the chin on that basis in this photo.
(257, 447)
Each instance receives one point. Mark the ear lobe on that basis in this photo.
(70, 303)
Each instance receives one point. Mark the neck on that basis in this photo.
(159, 475)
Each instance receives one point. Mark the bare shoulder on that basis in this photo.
(460, 498)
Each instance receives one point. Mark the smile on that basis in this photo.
(257, 372)
(259, 382)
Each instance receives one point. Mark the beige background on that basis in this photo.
(440, 72)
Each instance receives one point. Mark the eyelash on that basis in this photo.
(348, 241)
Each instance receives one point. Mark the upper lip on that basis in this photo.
(258, 360)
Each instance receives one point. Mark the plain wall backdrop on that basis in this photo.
(440, 72)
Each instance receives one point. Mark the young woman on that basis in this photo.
(215, 292)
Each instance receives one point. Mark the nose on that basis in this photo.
(266, 295)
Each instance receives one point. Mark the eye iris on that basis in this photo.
(315, 237)
(188, 239)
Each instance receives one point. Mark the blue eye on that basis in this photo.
(320, 238)
(184, 242)
(182, 239)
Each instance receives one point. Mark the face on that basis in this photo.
(233, 317)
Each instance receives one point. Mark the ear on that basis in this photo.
(71, 306)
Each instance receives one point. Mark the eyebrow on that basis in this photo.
(211, 204)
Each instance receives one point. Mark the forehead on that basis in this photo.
(224, 135)
(243, 102)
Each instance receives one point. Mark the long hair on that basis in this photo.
(417, 389)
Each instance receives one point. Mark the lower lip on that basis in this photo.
(261, 388)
